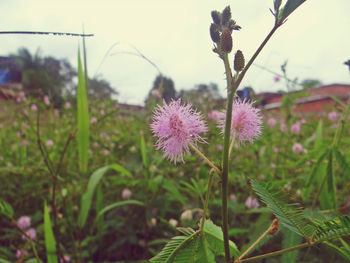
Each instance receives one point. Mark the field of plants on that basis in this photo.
(183, 180)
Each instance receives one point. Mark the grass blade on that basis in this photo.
(83, 119)
(50, 242)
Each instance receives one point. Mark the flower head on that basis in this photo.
(246, 121)
(297, 147)
(333, 116)
(271, 122)
(295, 128)
(251, 202)
(23, 222)
(176, 126)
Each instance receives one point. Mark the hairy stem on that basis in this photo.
(255, 243)
(216, 169)
(210, 181)
(276, 253)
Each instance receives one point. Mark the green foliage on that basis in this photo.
(50, 242)
(289, 215)
(289, 8)
(87, 196)
(83, 119)
(195, 246)
(6, 209)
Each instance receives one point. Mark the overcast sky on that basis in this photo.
(175, 36)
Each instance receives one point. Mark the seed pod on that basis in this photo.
(226, 41)
(226, 15)
(216, 16)
(214, 33)
(274, 228)
(233, 26)
(238, 62)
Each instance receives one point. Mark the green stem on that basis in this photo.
(341, 124)
(231, 145)
(279, 252)
(210, 181)
(34, 251)
(255, 243)
(227, 134)
(216, 169)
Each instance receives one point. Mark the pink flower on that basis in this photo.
(246, 121)
(24, 143)
(46, 100)
(21, 253)
(233, 197)
(214, 115)
(23, 222)
(219, 147)
(67, 105)
(1, 158)
(33, 107)
(271, 122)
(95, 144)
(65, 259)
(251, 203)
(295, 128)
(276, 78)
(49, 143)
(105, 152)
(276, 150)
(176, 126)
(126, 193)
(333, 116)
(283, 127)
(56, 113)
(31, 233)
(93, 120)
(297, 148)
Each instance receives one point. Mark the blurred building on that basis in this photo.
(313, 100)
(10, 78)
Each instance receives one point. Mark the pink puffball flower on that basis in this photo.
(56, 113)
(333, 116)
(214, 115)
(246, 121)
(176, 126)
(49, 143)
(297, 148)
(276, 150)
(33, 107)
(126, 194)
(65, 259)
(233, 197)
(21, 253)
(93, 120)
(295, 128)
(251, 203)
(67, 105)
(283, 127)
(23, 222)
(31, 233)
(46, 100)
(271, 122)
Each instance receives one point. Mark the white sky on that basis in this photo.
(175, 35)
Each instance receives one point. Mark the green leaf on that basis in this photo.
(328, 199)
(50, 242)
(290, 215)
(319, 134)
(277, 4)
(83, 119)
(117, 204)
(87, 196)
(340, 250)
(4, 261)
(344, 165)
(99, 205)
(195, 247)
(332, 229)
(6, 209)
(289, 8)
(143, 151)
(315, 171)
(121, 169)
(290, 239)
(215, 238)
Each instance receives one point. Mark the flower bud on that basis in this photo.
(226, 41)
(186, 215)
(214, 32)
(226, 15)
(239, 61)
(274, 227)
(216, 16)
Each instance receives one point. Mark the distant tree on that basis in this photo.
(310, 82)
(100, 89)
(165, 86)
(44, 76)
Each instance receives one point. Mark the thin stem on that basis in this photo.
(341, 123)
(231, 145)
(227, 134)
(210, 181)
(34, 251)
(216, 169)
(255, 243)
(279, 252)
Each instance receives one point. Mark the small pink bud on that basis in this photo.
(271, 122)
(297, 148)
(49, 143)
(67, 105)
(23, 222)
(126, 193)
(295, 128)
(46, 100)
(333, 116)
(33, 107)
(186, 215)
